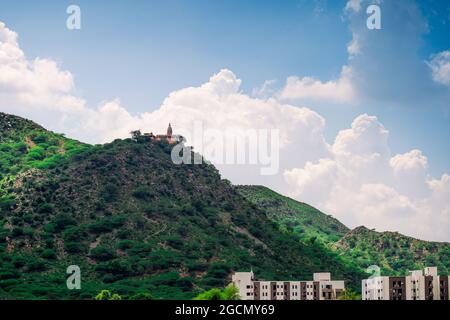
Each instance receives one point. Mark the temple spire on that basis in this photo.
(169, 130)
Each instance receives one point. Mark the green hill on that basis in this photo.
(394, 253)
(25, 145)
(133, 221)
(297, 217)
(13, 128)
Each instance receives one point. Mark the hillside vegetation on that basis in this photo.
(133, 221)
(296, 217)
(394, 253)
(25, 145)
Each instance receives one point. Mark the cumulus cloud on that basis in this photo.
(353, 5)
(440, 67)
(361, 183)
(39, 82)
(353, 47)
(310, 89)
(314, 181)
(266, 90)
(219, 104)
(410, 170)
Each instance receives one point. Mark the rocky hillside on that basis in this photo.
(25, 145)
(133, 221)
(13, 128)
(297, 217)
(393, 252)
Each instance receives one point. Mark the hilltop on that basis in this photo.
(13, 128)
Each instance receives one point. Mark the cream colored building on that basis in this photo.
(320, 288)
(418, 285)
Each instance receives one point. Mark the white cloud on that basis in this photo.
(265, 91)
(440, 67)
(37, 82)
(353, 5)
(410, 161)
(353, 48)
(361, 184)
(410, 171)
(367, 136)
(226, 108)
(314, 181)
(311, 89)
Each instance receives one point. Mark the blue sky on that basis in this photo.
(165, 45)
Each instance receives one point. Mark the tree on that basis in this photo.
(349, 295)
(213, 294)
(107, 295)
(136, 135)
(142, 296)
(229, 293)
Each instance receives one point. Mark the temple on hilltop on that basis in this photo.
(169, 136)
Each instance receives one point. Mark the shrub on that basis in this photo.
(20, 147)
(63, 221)
(74, 234)
(107, 224)
(50, 228)
(175, 242)
(17, 232)
(110, 192)
(9, 274)
(102, 254)
(35, 265)
(188, 210)
(40, 138)
(143, 193)
(48, 254)
(125, 244)
(115, 267)
(142, 296)
(6, 203)
(75, 247)
(3, 234)
(229, 293)
(36, 153)
(107, 295)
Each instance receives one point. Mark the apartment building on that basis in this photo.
(320, 288)
(418, 285)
